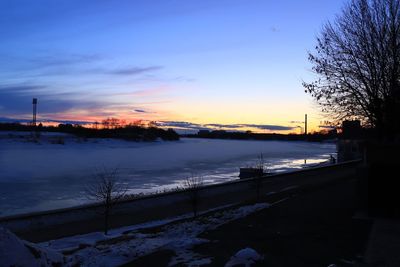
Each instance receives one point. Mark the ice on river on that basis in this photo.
(41, 176)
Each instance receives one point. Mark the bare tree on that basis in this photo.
(259, 177)
(114, 122)
(192, 185)
(357, 61)
(107, 190)
(260, 162)
(111, 123)
(105, 123)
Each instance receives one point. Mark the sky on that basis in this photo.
(182, 63)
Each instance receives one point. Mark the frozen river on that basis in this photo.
(42, 176)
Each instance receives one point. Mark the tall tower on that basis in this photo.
(305, 124)
(34, 103)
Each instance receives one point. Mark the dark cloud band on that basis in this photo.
(214, 126)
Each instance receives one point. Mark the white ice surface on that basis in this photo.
(43, 176)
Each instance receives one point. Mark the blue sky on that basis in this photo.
(204, 62)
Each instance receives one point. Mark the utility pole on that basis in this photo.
(305, 124)
(34, 103)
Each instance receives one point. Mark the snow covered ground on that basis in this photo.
(244, 257)
(16, 252)
(47, 175)
(129, 243)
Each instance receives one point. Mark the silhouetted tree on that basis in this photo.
(357, 60)
(114, 122)
(152, 124)
(138, 123)
(111, 123)
(192, 185)
(258, 179)
(105, 123)
(106, 189)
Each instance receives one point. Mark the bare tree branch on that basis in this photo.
(357, 61)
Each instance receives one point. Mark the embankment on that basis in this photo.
(41, 226)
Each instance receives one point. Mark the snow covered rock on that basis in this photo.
(246, 257)
(17, 252)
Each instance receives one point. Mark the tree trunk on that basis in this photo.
(106, 218)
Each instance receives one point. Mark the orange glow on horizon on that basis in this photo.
(272, 114)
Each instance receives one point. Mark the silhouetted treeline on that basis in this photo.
(314, 137)
(13, 126)
(128, 132)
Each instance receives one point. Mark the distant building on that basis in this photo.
(219, 132)
(351, 130)
(203, 132)
(349, 146)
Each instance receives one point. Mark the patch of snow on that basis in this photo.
(246, 257)
(130, 244)
(70, 243)
(90, 239)
(191, 259)
(16, 252)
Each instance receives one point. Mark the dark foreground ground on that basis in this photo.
(307, 227)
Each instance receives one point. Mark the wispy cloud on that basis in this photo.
(255, 126)
(181, 124)
(133, 70)
(20, 88)
(225, 126)
(64, 60)
(274, 29)
(23, 120)
(217, 126)
(328, 127)
(183, 79)
(140, 111)
(74, 64)
(154, 91)
(17, 99)
(269, 127)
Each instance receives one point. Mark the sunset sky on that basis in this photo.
(185, 63)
